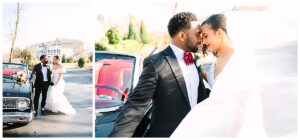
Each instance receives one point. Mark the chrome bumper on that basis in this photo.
(17, 117)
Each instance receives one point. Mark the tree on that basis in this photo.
(91, 57)
(15, 32)
(70, 60)
(81, 62)
(63, 58)
(113, 36)
(131, 34)
(26, 56)
(143, 33)
(101, 46)
(17, 53)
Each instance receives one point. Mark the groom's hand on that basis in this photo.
(30, 81)
(51, 83)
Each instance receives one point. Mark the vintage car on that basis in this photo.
(116, 75)
(17, 94)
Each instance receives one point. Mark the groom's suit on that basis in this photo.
(161, 81)
(41, 84)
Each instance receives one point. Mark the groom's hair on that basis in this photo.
(42, 56)
(180, 21)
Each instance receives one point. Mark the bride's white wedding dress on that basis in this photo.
(56, 101)
(234, 106)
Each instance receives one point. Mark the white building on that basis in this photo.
(60, 47)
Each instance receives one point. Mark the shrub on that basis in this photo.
(81, 62)
(113, 36)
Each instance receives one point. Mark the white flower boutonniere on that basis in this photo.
(199, 66)
(197, 62)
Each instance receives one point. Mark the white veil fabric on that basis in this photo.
(259, 80)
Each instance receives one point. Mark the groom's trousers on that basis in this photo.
(43, 88)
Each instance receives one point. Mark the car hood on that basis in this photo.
(15, 90)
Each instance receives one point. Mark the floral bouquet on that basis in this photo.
(21, 77)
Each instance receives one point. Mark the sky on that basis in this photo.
(156, 14)
(41, 22)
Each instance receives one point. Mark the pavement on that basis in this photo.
(78, 91)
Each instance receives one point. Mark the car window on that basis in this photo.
(113, 75)
(10, 69)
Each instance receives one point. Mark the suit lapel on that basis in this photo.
(177, 72)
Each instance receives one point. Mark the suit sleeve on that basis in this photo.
(134, 108)
(203, 91)
(33, 71)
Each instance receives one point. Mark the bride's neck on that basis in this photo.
(226, 50)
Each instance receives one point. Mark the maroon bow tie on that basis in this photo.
(188, 58)
(44, 65)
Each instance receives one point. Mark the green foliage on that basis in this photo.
(32, 63)
(17, 53)
(81, 62)
(26, 56)
(113, 36)
(127, 46)
(69, 60)
(63, 58)
(101, 46)
(91, 57)
(131, 34)
(143, 33)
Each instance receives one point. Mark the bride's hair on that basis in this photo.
(57, 57)
(216, 21)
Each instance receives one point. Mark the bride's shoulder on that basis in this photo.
(60, 66)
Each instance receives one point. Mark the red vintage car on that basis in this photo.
(116, 75)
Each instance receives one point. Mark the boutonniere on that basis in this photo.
(197, 62)
(199, 66)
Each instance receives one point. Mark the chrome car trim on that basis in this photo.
(13, 117)
(109, 109)
(16, 99)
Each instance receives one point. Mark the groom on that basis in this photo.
(42, 81)
(170, 80)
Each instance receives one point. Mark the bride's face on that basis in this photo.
(210, 38)
(54, 60)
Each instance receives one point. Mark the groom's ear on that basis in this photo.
(181, 36)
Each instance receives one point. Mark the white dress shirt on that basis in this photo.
(190, 74)
(44, 71)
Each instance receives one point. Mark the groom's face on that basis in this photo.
(193, 40)
(45, 60)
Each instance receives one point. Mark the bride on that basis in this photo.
(234, 107)
(56, 101)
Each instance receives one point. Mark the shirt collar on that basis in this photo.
(177, 51)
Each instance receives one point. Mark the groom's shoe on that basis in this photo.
(35, 113)
(43, 109)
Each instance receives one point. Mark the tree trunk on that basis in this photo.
(15, 32)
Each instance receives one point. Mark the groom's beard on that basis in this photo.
(192, 48)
